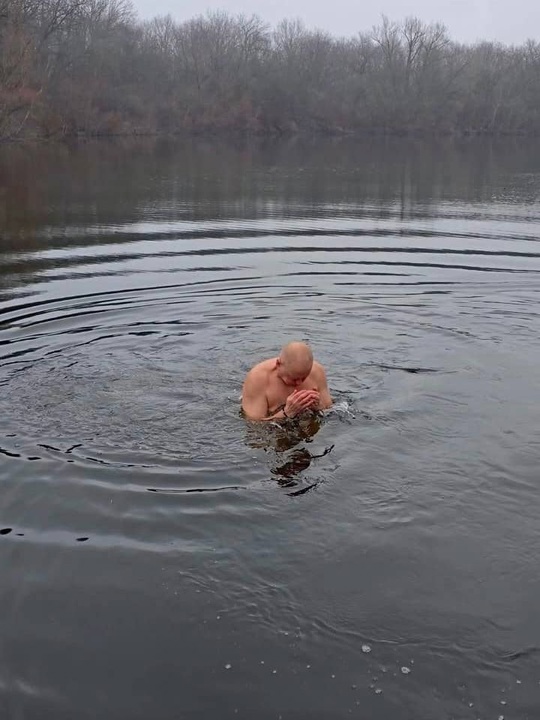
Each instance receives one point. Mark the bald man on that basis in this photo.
(284, 387)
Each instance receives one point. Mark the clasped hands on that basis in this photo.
(301, 400)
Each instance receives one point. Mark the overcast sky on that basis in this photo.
(510, 21)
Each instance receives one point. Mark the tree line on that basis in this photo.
(92, 67)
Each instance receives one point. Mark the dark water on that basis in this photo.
(159, 558)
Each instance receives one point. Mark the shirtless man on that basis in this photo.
(286, 386)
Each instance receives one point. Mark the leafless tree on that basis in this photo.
(91, 67)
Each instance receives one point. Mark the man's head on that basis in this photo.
(294, 363)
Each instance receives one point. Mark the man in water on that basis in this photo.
(285, 387)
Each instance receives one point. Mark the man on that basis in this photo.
(286, 386)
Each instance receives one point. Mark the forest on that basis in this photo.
(78, 68)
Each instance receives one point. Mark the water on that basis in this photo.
(162, 559)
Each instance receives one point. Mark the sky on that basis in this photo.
(508, 21)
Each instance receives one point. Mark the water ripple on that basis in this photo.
(140, 515)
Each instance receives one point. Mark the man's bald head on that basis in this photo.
(297, 353)
(295, 362)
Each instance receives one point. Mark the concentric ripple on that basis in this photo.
(163, 558)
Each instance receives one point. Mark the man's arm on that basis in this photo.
(325, 400)
(254, 402)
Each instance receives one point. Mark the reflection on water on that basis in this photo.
(286, 442)
(162, 557)
(284, 436)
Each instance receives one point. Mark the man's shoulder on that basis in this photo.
(260, 373)
(318, 370)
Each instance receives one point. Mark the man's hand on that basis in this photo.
(301, 400)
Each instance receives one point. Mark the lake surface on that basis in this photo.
(162, 559)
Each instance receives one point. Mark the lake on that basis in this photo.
(160, 558)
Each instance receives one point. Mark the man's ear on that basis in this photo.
(278, 362)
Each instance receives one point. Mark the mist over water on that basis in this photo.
(162, 558)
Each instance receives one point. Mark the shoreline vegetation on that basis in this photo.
(92, 68)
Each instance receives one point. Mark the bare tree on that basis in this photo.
(89, 66)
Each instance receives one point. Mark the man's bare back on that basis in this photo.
(285, 386)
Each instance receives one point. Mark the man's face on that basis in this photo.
(293, 376)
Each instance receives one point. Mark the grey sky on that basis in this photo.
(510, 21)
